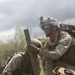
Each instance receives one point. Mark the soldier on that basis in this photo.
(59, 50)
(20, 63)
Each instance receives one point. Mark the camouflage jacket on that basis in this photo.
(18, 65)
(64, 43)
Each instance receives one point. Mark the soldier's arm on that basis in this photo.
(61, 48)
(12, 65)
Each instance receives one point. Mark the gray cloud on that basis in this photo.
(27, 12)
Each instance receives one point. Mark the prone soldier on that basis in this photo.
(20, 63)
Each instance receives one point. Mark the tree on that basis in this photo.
(12, 45)
(19, 39)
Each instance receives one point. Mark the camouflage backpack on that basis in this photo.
(69, 56)
(68, 28)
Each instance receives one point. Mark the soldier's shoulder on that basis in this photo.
(17, 56)
(65, 34)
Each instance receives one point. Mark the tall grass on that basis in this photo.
(42, 71)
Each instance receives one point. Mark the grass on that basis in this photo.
(42, 71)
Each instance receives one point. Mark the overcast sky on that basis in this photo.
(27, 13)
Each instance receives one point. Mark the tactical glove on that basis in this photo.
(33, 49)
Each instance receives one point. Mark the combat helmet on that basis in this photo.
(49, 22)
(36, 42)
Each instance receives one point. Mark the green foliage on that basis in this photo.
(43, 41)
(2, 61)
(13, 45)
(19, 39)
(42, 71)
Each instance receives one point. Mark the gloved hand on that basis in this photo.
(33, 49)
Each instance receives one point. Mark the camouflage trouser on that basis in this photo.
(65, 65)
(9, 73)
(26, 74)
(49, 66)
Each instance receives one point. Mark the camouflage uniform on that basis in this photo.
(53, 52)
(16, 63)
(20, 64)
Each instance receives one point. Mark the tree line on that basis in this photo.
(12, 45)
